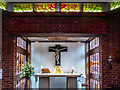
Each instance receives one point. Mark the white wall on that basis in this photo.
(75, 56)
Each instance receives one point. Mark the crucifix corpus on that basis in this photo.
(57, 49)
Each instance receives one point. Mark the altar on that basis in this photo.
(45, 83)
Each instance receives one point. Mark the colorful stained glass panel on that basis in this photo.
(95, 84)
(94, 43)
(3, 5)
(23, 7)
(45, 7)
(17, 64)
(90, 7)
(115, 5)
(21, 43)
(21, 59)
(70, 7)
(94, 58)
(94, 63)
(98, 64)
(20, 84)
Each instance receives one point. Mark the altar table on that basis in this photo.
(44, 79)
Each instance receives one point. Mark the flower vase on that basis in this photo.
(27, 85)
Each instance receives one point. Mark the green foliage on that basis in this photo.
(27, 70)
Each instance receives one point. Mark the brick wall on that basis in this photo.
(57, 24)
(53, 24)
(8, 59)
(110, 46)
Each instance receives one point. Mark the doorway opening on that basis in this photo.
(83, 54)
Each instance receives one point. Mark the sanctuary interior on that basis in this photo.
(70, 44)
(74, 58)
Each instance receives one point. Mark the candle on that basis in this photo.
(72, 67)
(41, 67)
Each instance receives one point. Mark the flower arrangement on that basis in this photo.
(27, 70)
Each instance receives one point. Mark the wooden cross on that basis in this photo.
(57, 49)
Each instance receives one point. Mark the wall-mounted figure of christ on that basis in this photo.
(57, 49)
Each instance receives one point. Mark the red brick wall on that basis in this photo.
(57, 24)
(110, 46)
(85, 24)
(8, 59)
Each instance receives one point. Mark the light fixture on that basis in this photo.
(110, 59)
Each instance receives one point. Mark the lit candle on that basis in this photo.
(41, 67)
(72, 67)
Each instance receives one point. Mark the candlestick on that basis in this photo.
(72, 70)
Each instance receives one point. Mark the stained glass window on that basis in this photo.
(97, 63)
(115, 5)
(23, 7)
(21, 43)
(70, 7)
(90, 7)
(20, 83)
(45, 7)
(3, 5)
(94, 63)
(94, 43)
(17, 64)
(21, 59)
(94, 58)
(94, 83)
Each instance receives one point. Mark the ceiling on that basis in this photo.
(81, 39)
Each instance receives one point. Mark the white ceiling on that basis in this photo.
(58, 38)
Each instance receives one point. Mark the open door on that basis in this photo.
(22, 57)
(92, 63)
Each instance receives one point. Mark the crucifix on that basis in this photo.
(57, 49)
